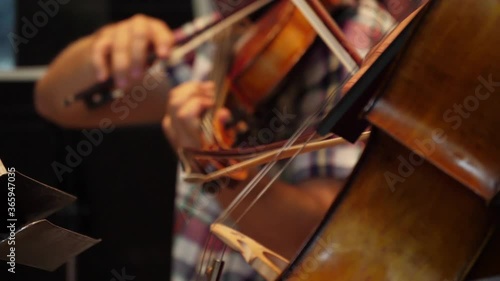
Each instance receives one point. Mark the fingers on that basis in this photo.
(139, 46)
(181, 94)
(169, 131)
(120, 58)
(100, 52)
(187, 122)
(121, 50)
(163, 38)
(185, 109)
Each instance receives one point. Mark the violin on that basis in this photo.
(268, 50)
(279, 41)
(267, 53)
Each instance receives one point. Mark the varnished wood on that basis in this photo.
(429, 228)
(279, 40)
(401, 217)
(449, 59)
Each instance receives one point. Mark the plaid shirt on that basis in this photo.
(364, 23)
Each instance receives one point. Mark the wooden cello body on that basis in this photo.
(420, 204)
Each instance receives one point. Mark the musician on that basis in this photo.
(294, 205)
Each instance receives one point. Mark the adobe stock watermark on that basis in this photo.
(323, 249)
(30, 27)
(454, 116)
(277, 125)
(94, 137)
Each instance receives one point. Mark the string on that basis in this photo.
(222, 57)
(253, 183)
(350, 65)
(202, 262)
(257, 198)
(266, 169)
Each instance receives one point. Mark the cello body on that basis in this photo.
(420, 204)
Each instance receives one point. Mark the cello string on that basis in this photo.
(237, 201)
(260, 175)
(351, 67)
(223, 60)
(340, 52)
(268, 185)
(202, 261)
(222, 57)
(329, 99)
(206, 126)
(207, 133)
(307, 123)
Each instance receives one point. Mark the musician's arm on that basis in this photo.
(116, 50)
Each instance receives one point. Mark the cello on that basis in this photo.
(422, 202)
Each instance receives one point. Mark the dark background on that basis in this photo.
(125, 187)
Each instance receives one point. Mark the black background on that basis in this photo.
(125, 187)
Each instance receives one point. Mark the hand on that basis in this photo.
(121, 49)
(185, 107)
